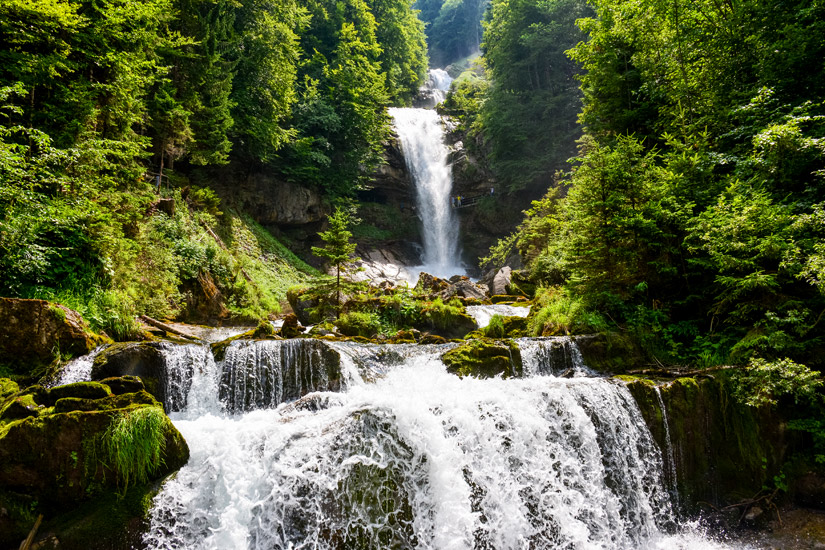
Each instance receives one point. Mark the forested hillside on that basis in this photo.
(694, 216)
(106, 104)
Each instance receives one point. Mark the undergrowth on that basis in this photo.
(133, 445)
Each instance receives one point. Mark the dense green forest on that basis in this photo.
(693, 215)
(454, 28)
(102, 101)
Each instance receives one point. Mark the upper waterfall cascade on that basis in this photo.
(422, 141)
(388, 450)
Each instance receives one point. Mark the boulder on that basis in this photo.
(303, 301)
(501, 281)
(143, 360)
(291, 327)
(33, 330)
(465, 288)
(431, 283)
(58, 461)
(485, 359)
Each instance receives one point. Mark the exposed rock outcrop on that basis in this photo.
(34, 330)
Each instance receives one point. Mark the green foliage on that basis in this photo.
(338, 250)
(133, 444)
(495, 328)
(692, 217)
(764, 383)
(359, 323)
(555, 312)
(529, 113)
(453, 28)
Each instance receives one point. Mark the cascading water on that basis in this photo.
(422, 142)
(417, 459)
(483, 314)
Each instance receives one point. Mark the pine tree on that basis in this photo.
(338, 249)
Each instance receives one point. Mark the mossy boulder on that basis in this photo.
(446, 321)
(55, 459)
(724, 452)
(143, 360)
(34, 330)
(610, 352)
(304, 303)
(485, 359)
(291, 327)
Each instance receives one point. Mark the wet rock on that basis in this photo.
(724, 451)
(143, 360)
(264, 373)
(485, 359)
(34, 329)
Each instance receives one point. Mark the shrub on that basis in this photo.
(134, 443)
(359, 323)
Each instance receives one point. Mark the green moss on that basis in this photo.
(484, 359)
(8, 387)
(82, 390)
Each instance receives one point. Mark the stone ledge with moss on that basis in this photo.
(726, 452)
(485, 359)
(82, 446)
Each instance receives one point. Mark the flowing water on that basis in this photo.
(385, 449)
(483, 314)
(422, 141)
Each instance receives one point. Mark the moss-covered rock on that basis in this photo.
(80, 390)
(124, 384)
(291, 327)
(724, 452)
(141, 359)
(8, 387)
(57, 460)
(485, 359)
(610, 352)
(34, 330)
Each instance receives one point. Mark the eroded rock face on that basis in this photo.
(54, 459)
(271, 201)
(34, 329)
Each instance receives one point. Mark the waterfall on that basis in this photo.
(670, 463)
(422, 142)
(483, 314)
(78, 369)
(409, 456)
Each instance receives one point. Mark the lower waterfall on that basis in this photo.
(406, 455)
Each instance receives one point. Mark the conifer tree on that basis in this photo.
(338, 249)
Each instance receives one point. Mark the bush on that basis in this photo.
(359, 323)
(558, 313)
